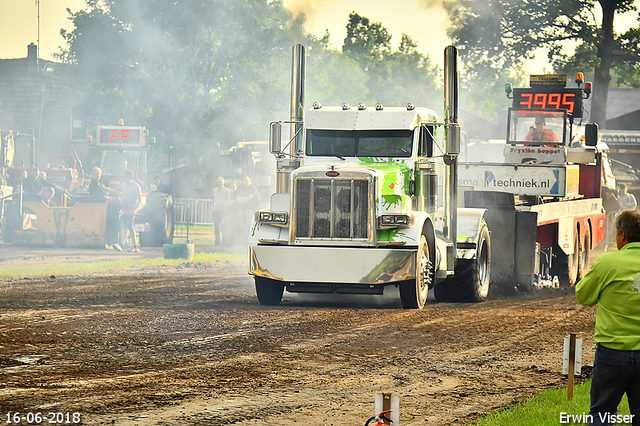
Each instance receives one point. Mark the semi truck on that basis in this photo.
(548, 185)
(356, 207)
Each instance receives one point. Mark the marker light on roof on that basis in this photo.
(379, 107)
(361, 106)
(345, 106)
(410, 107)
(317, 105)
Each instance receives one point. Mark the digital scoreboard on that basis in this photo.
(121, 136)
(549, 92)
(549, 98)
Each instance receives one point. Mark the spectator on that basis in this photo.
(613, 282)
(30, 185)
(610, 200)
(131, 197)
(99, 191)
(158, 186)
(626, 200)
(247, 196)
(47, 189)
(99, 185)
(220, 204)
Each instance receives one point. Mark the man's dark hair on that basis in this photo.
(628, 221)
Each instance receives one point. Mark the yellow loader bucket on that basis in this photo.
(83, 224)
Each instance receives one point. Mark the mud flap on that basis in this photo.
(513, 239)
(525, 257)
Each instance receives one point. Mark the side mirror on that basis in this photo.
(591, 134)
(275, 137)
(425, 146)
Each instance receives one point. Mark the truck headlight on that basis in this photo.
(273, 218)
(395, 220)
(386, 219)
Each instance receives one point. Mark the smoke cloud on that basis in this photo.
(425, 21)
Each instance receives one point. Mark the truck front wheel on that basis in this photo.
(269, 291)
(470, 282)
(413, 294)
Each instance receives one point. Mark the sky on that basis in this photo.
(423, 20)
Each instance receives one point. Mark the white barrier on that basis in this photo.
(193, 211)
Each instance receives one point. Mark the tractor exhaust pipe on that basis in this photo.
(452, 144)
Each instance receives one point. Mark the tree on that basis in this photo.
(625, 67)
(500, 34)
(366, 43)
(195, 72)
(394, 78)
(333, 78)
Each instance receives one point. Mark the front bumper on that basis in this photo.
(333, 265)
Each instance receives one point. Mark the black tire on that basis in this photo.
(470, 282)
(565, 267)
(413, 294)
(269, 291)
(163, 229)
(585, 253)
(158, 213)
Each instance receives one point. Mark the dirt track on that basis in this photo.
(190, 345)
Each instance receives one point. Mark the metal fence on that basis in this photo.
(193, 211)
(189, 212)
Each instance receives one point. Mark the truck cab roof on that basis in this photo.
(368, 118)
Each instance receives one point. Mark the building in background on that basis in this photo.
(36, 103)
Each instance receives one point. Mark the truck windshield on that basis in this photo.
(536, 127)
(359, 143)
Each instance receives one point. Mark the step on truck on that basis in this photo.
(356, 207)
(545, 193)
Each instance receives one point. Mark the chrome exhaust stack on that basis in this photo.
(285, 165)
(296, 114)
(452, 144)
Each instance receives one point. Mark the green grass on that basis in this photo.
(98, 267)
(198, 234)
(545, 408)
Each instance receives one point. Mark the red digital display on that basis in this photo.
(569, 100)
(121, 136)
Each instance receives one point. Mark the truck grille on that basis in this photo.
(331, 208)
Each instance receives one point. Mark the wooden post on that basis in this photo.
(386, 404)
(388, 401)
(572, 362)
